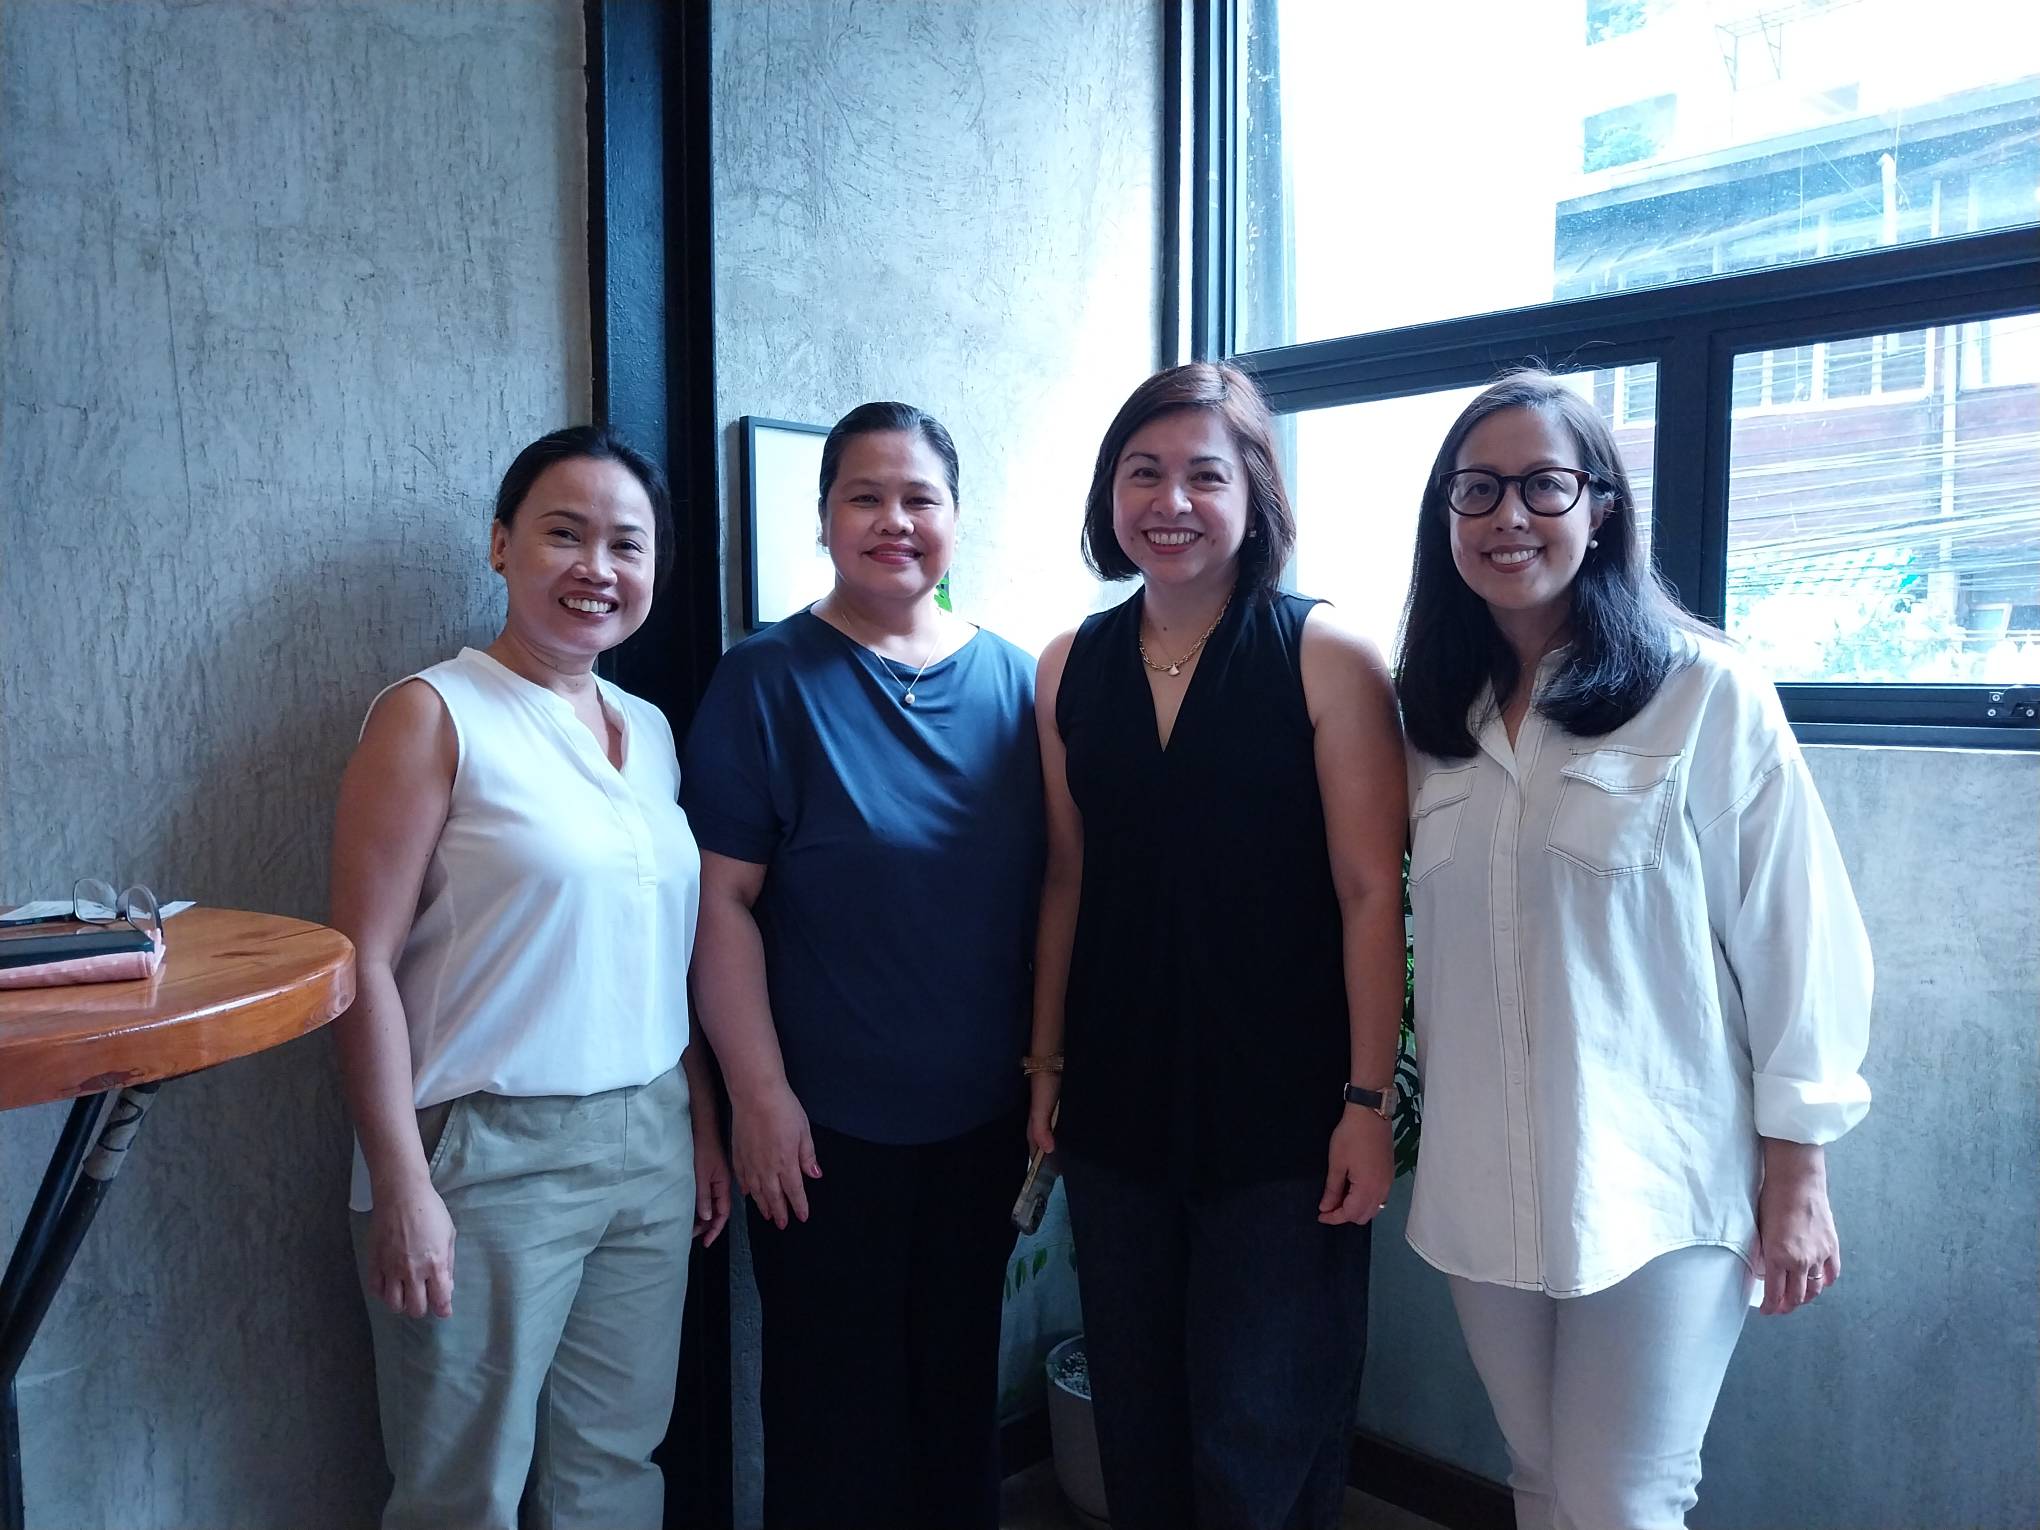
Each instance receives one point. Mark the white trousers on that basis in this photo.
(1604, 1399)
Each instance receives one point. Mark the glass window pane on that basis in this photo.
(1903, 363)
(1393, 174)
(1356, 553)
(1748, 382)
(1894, 536)
(1849, 365)
(1792, 375)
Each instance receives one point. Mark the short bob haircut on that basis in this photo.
(1231, 395)
(878, 419)
(1623, 618)
(594, 443)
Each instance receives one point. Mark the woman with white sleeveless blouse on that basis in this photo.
(521, 885)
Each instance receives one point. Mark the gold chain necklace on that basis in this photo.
(908, 698)
(1196, 648)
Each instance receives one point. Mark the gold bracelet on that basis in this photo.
(1052, 1063)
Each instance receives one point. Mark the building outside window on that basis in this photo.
(1882, 521)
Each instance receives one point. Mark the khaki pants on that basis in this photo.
(552, 1382)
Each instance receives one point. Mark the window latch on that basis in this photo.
(2016, 707)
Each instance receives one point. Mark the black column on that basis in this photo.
(650, 206)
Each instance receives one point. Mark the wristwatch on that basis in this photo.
(1380, 1101)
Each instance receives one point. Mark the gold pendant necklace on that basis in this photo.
(1176, 667)
(908, 698)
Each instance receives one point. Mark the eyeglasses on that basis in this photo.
(95, 902)
(1474, 492)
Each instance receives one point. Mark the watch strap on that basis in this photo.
(1375, 1101)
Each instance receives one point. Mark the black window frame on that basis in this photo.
(1692, 330)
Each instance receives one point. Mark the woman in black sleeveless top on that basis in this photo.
(1220, 957)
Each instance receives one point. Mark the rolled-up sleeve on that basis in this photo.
(1782, 908)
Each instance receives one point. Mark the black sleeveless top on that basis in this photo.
(1206, 1035)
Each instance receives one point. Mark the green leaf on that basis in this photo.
(1040, 1260)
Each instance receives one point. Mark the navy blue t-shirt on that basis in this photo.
(904, 847)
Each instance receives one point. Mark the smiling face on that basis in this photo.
(1180, 501)
(577, 558)
(1521, 564)
(889, 522)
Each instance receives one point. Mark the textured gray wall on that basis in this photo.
(1906, 1399)
(282, 287)
(954, 203)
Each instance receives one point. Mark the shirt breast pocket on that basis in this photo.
(1434, 819)
(1614, 809)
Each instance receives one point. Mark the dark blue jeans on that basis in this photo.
(1225, 1331)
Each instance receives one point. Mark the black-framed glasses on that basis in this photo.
(95, 902)
(1547, 491)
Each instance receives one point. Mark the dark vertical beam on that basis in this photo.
(1173, 253)
(650, 212)
(1686, 422)
(1213, 176)
(627, 220)
(652, 290)
(1264, 238)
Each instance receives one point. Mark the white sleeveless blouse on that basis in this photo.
(556, 920)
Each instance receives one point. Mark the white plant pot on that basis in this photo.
(1073, 1437)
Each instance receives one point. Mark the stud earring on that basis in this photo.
(1593, 542)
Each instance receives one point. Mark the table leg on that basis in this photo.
(72, 1188)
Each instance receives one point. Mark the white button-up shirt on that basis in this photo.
(1635, 955)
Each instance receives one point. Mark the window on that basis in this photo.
(1615, 18)
(1893, 544)
(1399, 170)
(1787, 250)
(2001, 353)
(1628, 133)
(1356, 551)
(1831, 372)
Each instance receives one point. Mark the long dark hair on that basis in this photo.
(877, 419)
(1231, 395)
(1623, 617)
(597, 443)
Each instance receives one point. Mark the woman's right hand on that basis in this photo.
(1044, 1090)
(411, 1240)
(773, 1152)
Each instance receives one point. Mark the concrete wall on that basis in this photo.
(1905, 1398)
(282, 287)
(955, 203)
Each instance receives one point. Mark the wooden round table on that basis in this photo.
(231, 984)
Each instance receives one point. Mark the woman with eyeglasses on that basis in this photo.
(1642, 983)
(864, 779)
(537, 1142)
(1219, 974)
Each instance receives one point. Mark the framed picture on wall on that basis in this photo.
(785, 568)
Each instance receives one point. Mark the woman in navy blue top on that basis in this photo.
(864, 782)
(1219, 977)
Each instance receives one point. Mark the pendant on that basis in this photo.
(908, 698)
(1175, 669)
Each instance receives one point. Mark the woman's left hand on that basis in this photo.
(1798, 1251)
(1361, 1169)
(711, 1179)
